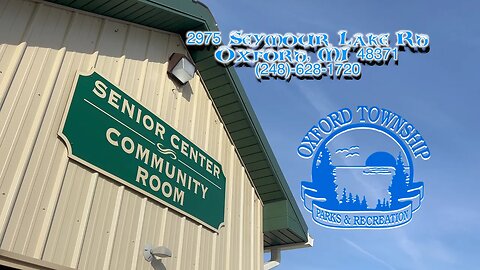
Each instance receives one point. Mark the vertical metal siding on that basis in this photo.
(57, 210)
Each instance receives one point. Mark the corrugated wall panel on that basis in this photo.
(153, 230)
(47, 164)
(247, 228)
(126, 233)
(76, 192)
(225, 236)
(259, 230)
(101, 225)
(62, 212)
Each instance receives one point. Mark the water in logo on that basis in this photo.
(366, 184)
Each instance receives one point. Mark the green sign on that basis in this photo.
(107, 130)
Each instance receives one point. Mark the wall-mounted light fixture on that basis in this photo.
(181, 68)
(162, 252)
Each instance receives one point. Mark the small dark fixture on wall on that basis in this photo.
(181, 68)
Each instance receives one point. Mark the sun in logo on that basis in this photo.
(362, 177)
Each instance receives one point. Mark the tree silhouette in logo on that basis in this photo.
(324, 178)
(399, 187)
(364, 203)
(352, 203)
(344, 197)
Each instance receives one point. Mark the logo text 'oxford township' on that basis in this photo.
(362, 171)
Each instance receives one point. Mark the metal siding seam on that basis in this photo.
(121, 62)
(157, 106)
(182, 107)
(107, 65)
(207, 131)
(215, 235)
(258, 239)
(60, 213)
(252, 229)
(221, 238)
(247, 221)
(97, 41)
(177, 94)
(143, 73)
(118, 75)
(213, 140)
(113, 228)
(197, 249)
(167, 110)
(192, 137)
(15, 101)
(149, 235)
(76, 195)
(187, 101)
(25, 156)
(138, 95)
(116, 214)
(241, 220)
(62, 169)
(47, 221)
(202, 123)
(180, 245)
(19, 203)
(260, 233)
(177, 103)
(220, 141)
(46, 226)
(121, 232)
(235, 233)
(96, 218)
(138, 236)
(152, 67)
(30, 66)
(141, 83)
(94, 57)
(189, 246)
(133, 75)
(19, 52)
(84, 220)
(230, 196)
(194, 110)
(9, 74)
(131, 208)
(214, 250)
(163, 226)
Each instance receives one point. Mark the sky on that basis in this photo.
(437, 92)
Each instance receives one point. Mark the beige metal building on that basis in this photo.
(56, 213)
